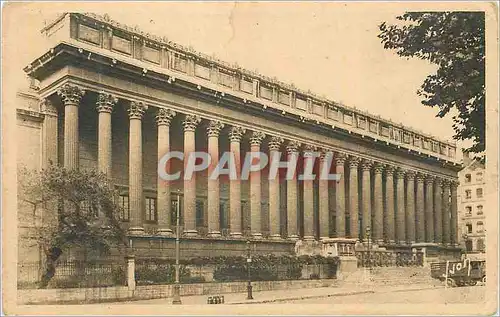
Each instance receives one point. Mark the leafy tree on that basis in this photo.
(79, 209)
(455, 42)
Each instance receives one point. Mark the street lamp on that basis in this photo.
(176, 298)
(249, 279)
(465, 236)
(368, 236)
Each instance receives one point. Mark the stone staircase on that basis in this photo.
(389, 276)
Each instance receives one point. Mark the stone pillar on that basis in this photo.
(400, 207)
(324, 210)
(378, 204)
(340, 195)
(274, 190)
(235, 135)
(190, 123)
(438, 211)
(136, 111)
(410, 207)
(454, 215)
(429, 209)
(49, 131)
(446, 212)
(130, 272)
(291, 193)
(420, 214)
(213, 131)
(353, 197)
(308, 187)
(163, 119)
(366, 201)
(389, 225)
(71, 97)
(255, 189)
(105, 104)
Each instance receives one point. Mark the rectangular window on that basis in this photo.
(468, 194)
(151, 214)
(479, 193)
(468, 228)
(479, 176)
(125, 208)
(479, 210)
(468, 211)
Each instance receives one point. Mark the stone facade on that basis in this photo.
(119, 99)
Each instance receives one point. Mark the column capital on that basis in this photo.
(70, 94)
(275, 143)
(236, 133)
(389, 169)
(214, 128)
(410, 175)
(309, 149)
(429, 179)
(454, 184)
(105, 102)
(47, 108)
(191, 122)
(324, 153)
(293, 147)
(136, 110)
(164, 116)
(354, 161)
(366, 165)
(400, 173)
(420, 177)
(378, 167)
(340, 158)
(438, 181)
(446, 182)
(256, 138)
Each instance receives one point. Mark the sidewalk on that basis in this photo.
(287, 295)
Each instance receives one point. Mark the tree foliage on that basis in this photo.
(455, 42)
(79, 210)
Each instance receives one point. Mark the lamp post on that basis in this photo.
(465, 236)
(368, 236)
(249, 278)
(176, 298)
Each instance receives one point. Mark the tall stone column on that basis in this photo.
(308, 187)
(353, 197)
(438, 211)
(446, 212)
(136, 111)
(255, 189)
(274, 190)
(340, 186)
(400, 207)
(105, 104)
(420, 214)
(49, 131)
(454, 215)
(366, 201)
(378, 204)
(235, 135)
(190, 123)
(324, 210)
(410, 207)
(163, 119)
(213, 132)
(291, 193)
(71, 97)
(429, 209)
(389, 225)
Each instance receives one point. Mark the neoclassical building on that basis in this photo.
(113, 98)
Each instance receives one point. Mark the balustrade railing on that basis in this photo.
(388, 258)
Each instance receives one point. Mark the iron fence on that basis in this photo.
(388, 258)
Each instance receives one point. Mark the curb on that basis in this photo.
(300, 298)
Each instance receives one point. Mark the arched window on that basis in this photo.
(468, 178)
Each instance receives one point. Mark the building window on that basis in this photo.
(125, 208)
(480, 210)
(468, 245)
(479, 193)
(151, 215)
(479, 226)
(468, 211)
(480, 245)
(468, 178)
(468, 194)
(479, 176)
(468, 228)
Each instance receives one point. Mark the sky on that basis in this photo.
(329, 48)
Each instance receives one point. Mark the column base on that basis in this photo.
(293, 237)
(214, 234)
(236, 235)
(275, 237)
(191, 233)
(257, 235)
(165, 232)
(309, 238)
(135, 231)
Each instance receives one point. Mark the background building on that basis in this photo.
(471, 212)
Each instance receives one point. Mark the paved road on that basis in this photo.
(474, 294)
